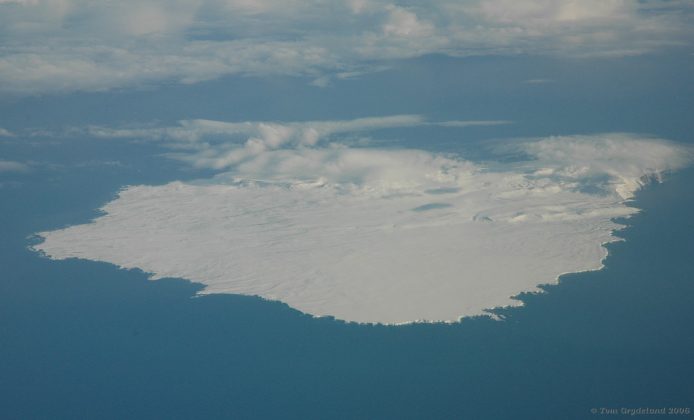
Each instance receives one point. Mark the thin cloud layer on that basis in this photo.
(52, 46)
(12, 166)
(5, 133)
(220, 144)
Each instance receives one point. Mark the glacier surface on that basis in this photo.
(377, 235)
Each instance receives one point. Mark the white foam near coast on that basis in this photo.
(369, 235)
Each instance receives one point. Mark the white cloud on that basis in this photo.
(401, 22)
(470, 123)
(5, 133)
(538, 81)
(68, 45)
(371, 235)
(273, 133)
(245, 147)
(219, 144)
(627, 160)
(11, 166)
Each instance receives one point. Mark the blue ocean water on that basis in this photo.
(83, 339)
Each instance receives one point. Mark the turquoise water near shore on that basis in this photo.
(83, 339)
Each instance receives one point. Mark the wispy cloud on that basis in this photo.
(316, 149)
(69, 45)
(220, 144)
(11, 166)
(538, 81)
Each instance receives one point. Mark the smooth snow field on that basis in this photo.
(377, 235)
